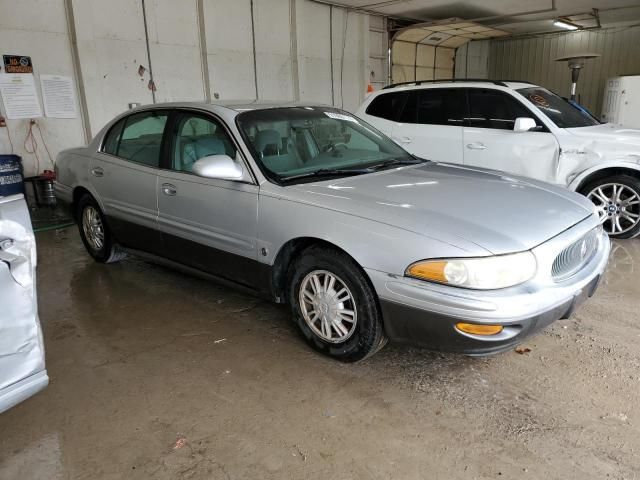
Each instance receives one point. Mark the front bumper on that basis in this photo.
(426, 314)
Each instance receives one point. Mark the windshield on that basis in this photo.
(560, 111)
(297, 142)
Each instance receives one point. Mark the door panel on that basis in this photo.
(128, 195)
(430, 125)
(125, 177)
(531, 154)
(433, 142)
(208, 224)
(490, 141)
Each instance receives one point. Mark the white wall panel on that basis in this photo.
(175, 50)
(324, 57)
(314, 57)
(273, 49)
(350, 75)
(378, 67)
(111, 47)
(230, 48)
(45, 38)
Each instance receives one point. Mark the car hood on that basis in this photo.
(499, 213)
(608, 132)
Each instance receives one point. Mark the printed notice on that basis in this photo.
(58, 96)
(19, 96)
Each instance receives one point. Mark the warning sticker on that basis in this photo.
(539, 100)
(17, 64)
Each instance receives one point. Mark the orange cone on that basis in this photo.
(370, 88)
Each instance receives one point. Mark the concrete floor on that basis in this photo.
(155, 374)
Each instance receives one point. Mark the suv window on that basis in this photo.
(387, 105)
(441, 106)
(138, 138)
(435, 106)
(197, 136)
(561, 112)
(495, 109)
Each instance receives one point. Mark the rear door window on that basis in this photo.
(141, 138)
(387, 105)
(111, 141)
(441, 106)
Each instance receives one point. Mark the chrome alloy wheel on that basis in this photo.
(92, 227)
(618, 207)
(328, 306)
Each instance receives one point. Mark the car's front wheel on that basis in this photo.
(95, 232)
(617, 199)
(334, 305)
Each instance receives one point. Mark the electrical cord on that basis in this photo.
(31, 145)
(44, 143)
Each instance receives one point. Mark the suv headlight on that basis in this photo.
(484, 273)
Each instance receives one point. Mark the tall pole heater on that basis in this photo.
(576, 63)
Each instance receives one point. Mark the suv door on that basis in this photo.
(430, 125)
(124, 175)
(491, 142)
(206, 223)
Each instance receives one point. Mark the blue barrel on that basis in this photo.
(11, 179)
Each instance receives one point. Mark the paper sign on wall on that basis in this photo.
(58, 96)
(19, 95)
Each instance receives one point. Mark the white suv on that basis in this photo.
(520, 128)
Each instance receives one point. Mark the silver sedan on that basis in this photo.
(310, 206)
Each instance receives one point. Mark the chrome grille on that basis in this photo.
(570, 260)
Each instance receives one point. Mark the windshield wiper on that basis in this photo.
(328, 172)
(400, 161)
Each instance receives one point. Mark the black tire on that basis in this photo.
(109, 252)
(368, 335)
(631, 183)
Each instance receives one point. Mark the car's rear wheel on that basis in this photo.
(95, 232)
(617, 199)
(334, 305)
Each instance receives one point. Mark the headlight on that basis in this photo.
(485, 273)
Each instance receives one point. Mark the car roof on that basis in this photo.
(234, 105)
(241, 106)
(458, 82)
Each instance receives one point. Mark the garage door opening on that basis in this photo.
(426, 51)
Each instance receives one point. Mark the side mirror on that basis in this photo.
(524, 124)
(221, 167)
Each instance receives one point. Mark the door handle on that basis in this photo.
(476, 146)
(97, 171)
(169, 189)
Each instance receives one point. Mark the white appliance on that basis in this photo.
(621, 103)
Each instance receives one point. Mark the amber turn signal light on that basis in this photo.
(477, 329)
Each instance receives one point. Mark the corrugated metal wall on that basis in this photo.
(532, 59)
(472, 60)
